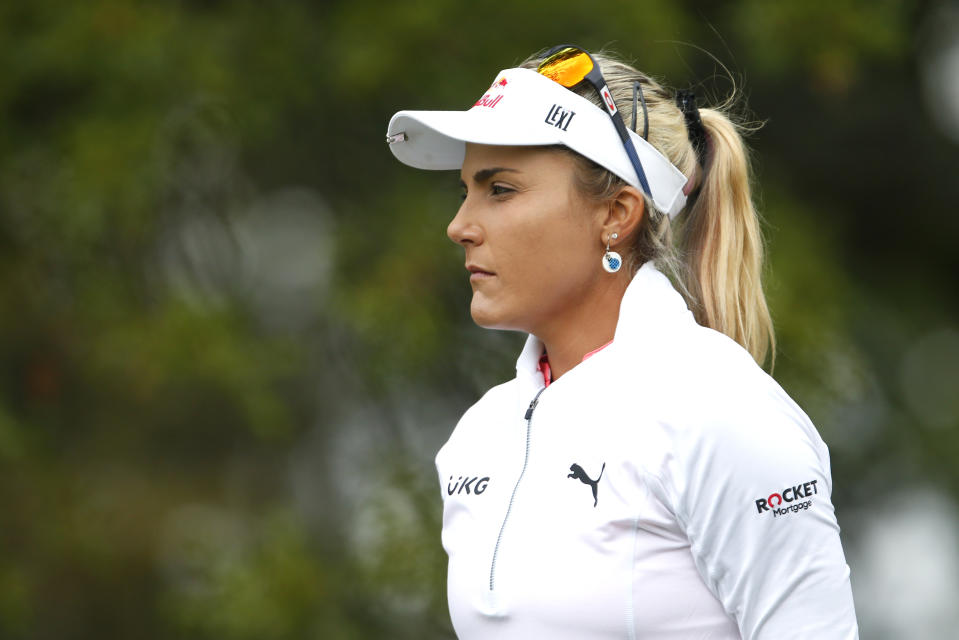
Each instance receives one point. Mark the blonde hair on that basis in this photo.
(715, 253)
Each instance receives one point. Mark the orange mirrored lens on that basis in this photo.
(568, 67)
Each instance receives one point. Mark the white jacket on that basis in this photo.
(666, 487)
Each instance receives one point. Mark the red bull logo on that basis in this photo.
(488, 100)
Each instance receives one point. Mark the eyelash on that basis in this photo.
(495, 191)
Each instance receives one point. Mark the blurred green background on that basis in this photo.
(234, 333)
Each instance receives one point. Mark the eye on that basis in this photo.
(500, 190)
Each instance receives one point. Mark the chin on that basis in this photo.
(493, 318)
(483, 319)
(487, 318)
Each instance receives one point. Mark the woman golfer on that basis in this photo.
(641, 476)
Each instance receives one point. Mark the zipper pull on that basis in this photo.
(529, 412)
(532, 405)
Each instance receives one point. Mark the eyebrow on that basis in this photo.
(485, 174)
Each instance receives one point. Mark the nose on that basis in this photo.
(463, 229)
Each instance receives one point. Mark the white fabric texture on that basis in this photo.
(524, 108)
(685, 439)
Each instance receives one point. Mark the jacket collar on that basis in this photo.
(650, 307)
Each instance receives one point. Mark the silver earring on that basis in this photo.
(612, 261)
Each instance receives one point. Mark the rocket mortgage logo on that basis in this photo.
(789, 500)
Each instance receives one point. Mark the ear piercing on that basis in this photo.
(612, 261)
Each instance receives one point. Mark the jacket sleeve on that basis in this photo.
(752, 491)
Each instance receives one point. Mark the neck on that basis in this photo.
(583, 328)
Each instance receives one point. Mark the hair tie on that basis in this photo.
(686, 101)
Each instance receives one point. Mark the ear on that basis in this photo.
(623, 214)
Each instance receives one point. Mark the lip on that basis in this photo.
(479, 273)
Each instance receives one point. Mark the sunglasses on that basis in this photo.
(569, 66)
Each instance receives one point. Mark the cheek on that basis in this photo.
(517, 244)
(553, 232)
(553, 267)
(564, 248)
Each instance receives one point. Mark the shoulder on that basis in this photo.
(725, 420)
(743, 405)
(705, 378)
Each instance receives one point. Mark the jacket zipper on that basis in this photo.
(529, 420)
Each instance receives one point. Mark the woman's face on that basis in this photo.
(532, 245)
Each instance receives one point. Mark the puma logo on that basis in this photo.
(579, 474)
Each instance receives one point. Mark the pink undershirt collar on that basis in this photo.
(543, 365)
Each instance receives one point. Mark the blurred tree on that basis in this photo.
(235, 333)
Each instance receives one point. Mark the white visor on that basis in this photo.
(524, 108)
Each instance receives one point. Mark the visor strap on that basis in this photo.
(638, 91)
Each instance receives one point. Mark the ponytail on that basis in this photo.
(722, 244)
